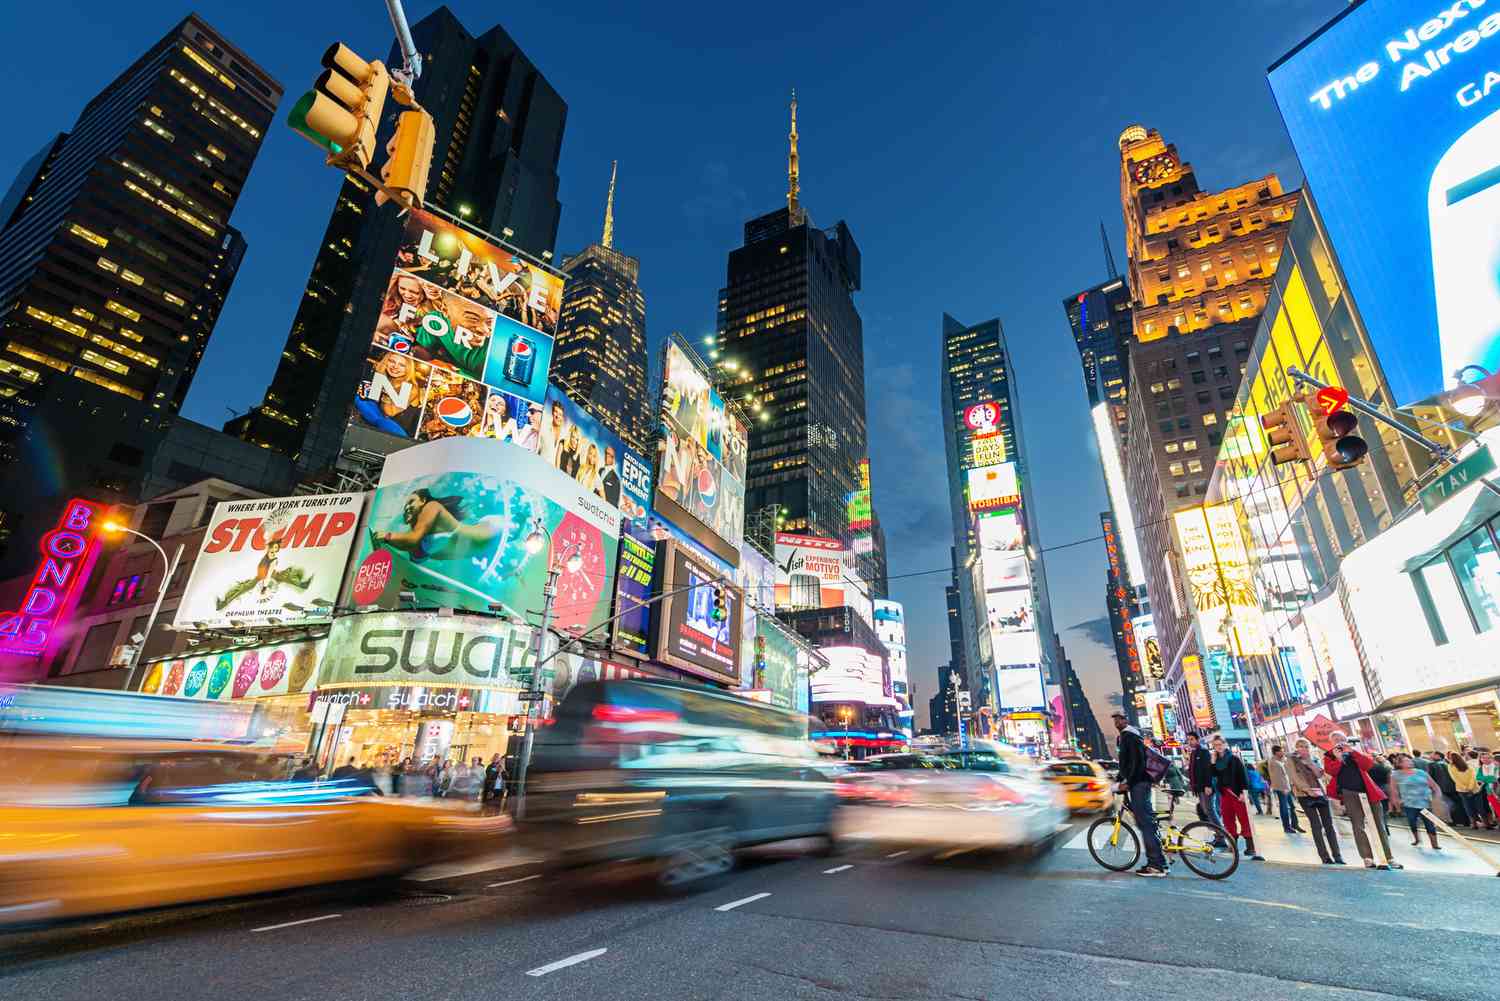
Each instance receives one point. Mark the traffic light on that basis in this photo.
(1342, 445)
(342, 111)
(1284, 435)
(720, 610)
(409, 158)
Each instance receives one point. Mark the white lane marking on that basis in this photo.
(582, 957)
(510, 882)
(290, 924)
(897, 854)
(837, 868)
(742, 901)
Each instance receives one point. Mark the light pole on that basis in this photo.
(539, 539)
(171, 568)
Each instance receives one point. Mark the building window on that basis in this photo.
(1221, 373)
(127, 589)
(1165, 427)
(1170, 447)
(1477, 568)
(1183, 490)
(1199, 378)
(1195, 465)
(1226, 392)
(1175, 469)
(1447, 599)
(1157, 387)
(1209, 420)
(1190, 444)
(1204, 397)
(1174, 383)
(1183, 424)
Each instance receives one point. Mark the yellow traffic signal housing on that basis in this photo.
(1284, 435)
(1342, 446)
(410, 158)
(342, 112)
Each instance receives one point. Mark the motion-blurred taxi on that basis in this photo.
(91, 826)
(1085, 784)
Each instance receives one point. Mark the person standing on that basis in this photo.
(1380, 774)
(1307, 787)
(1466, 787)
(1412, 791)
(1437, 767)
(1487, 774)
(1233, 782)
(1258, 787)
(1281, 784)
(491, 777)
(1130, 751)
(1348, 772)
(1201, 778)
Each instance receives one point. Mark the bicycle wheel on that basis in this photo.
(1115, 850)
(1198, 850)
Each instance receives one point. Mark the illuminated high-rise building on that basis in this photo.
(1100, 318)
(791, 345)
(1200, 271)
(494, 164)
(600, 356)
(116, 256)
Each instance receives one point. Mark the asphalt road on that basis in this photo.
(854, 926)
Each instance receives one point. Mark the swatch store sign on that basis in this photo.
(427, 648)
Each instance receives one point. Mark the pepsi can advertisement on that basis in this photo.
(520, 359)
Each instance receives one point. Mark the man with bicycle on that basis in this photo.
(1135, 783)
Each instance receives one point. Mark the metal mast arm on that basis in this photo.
(411, 59)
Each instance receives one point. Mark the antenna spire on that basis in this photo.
(609, 208)
(1109, 256)
(793, 189)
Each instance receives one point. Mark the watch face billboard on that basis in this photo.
(463, 344)
(450, 523)
(269, 561)
(1394, 110)
(246, 673)
(687, 634)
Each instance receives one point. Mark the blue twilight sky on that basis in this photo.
(970, 147)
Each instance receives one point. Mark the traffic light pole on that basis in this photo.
(1443, 452)
(410, 57)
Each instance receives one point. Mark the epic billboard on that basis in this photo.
(277, 559)
(450, 521)
(1394, 110)
(464, 340)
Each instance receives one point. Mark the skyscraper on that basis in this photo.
(1100, 318)
(500, 127)
(116, 255)
(1003, 604)
(600, 355)
(791, 343)
(1200, 270)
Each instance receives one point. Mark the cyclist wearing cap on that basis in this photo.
(1130, 750)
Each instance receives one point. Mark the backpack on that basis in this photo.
(1156, 765)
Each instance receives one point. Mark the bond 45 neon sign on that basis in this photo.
(67, 555)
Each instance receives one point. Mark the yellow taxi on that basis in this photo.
(97, 826)
(1085, 784)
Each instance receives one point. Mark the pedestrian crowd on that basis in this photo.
(1462, 788)
(446, 779)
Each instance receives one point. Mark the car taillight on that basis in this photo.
(606, 713)
(1094, 786)
(997, 793)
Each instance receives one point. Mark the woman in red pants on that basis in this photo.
(1234, 784)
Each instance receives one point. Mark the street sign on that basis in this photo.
(1332, 399)
(1459, 475)
(527, 696)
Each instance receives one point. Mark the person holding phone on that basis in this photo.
(1349, 781)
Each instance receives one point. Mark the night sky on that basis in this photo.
(971, 150)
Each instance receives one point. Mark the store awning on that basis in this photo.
(1437, 694)
(1483, 506)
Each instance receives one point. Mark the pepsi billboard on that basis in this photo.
(1394, 110)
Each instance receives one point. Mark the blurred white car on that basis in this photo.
(988, 797)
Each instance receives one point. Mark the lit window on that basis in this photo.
(37, 356)
(175, 300)
(9, 367)
(1174, 383)
(94, 357)
(1195, 465)
(89, 235)
(1210, 419)
(108, 265)
(216, 151)
(1157, 387)
(1175, 469)
(132, 277)
(1170, 448)
(125, 311)
(1190, 445)
(107, 383)
(1206, 266)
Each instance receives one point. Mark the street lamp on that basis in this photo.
(170, 567)
(537, 540)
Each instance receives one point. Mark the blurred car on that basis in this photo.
(93, 827)
(987, 797)
(1110, 765)
(1085, 784)
(676, 774)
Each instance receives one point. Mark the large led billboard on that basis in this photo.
(1012, 627)
(1002, 551)
(687, 636)
(270, 561)
(810, 571)
(852, 675)
(1394, 111)
(1021, 689)
(700, 483)
(993, 487)
(1220, 582)
(463, 343)
(450, 523)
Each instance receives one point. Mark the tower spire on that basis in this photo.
(793, 189)
(1109, 257)
(609, 208)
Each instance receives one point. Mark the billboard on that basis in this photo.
(269, 561)
(993, 487)
(427, 648)
(1197, 689)
(890, 629)
(861, 515)
(67, 555)
(1021, 689)
(1003, 552)
(1012, 627)
(1148, 647)
(686, 635)
(463, 344)
(810, 571)
(449, 523)
(1422, 267)
(700, 482)
(255, 672)
(633, 577)
(852, 675)
(774, 669)
(1220, 582)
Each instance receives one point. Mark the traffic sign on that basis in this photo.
(1332, 399)
(526, 696)
(1458, 476)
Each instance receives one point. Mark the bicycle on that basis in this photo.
(1206, 847)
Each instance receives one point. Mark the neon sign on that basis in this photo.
(67, 555)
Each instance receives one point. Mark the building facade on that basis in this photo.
(1100, 319)
(500, 128)
(116, 256)
(600, 354)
